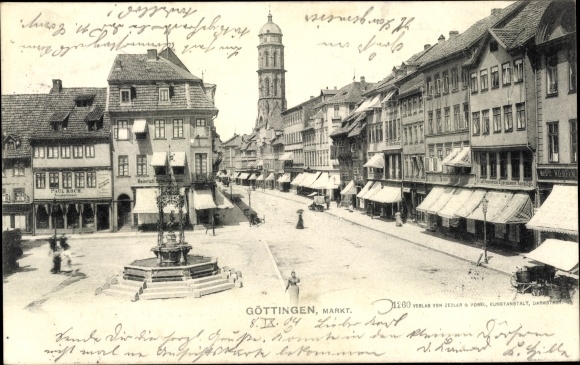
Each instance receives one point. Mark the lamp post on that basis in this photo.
(250, 197)
(54, 215)
(484, 208)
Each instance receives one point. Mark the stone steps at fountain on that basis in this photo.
(114, 291)
(167, 289)
(165, 294)
(208, 284)
(208, 279)
(197, 293)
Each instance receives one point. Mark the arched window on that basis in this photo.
(261, 86)
(267, 86)
(275, 59)
(267, 59)
(275, 86)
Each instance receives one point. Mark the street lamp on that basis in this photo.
(484, 208)
(54, 215)
(250, 197)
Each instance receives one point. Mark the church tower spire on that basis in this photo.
(271, 75)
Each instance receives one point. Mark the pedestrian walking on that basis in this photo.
(294, 292)
(65, 255)
(55, 253)
(338, 201)
(300, 224)
(327, 201)
(351, 205)
(398, 219)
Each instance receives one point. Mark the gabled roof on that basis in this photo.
(234, 141)
(351, 93)
(412, 85)
(61, 106)
(319, 115)
(20, 115)
(136, 67)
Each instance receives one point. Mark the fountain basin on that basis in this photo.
(172, 255)
(149, 271)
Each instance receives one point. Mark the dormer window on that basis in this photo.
(493, 46)
(164, 94)
(83, 101)
(125, 96)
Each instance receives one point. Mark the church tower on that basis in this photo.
(271, 81)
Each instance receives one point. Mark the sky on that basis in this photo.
(327, 44)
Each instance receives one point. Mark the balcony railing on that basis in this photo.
(203, 178)
(6, 198)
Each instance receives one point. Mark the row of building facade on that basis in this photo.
(484, 115)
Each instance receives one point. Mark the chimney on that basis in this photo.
(426, 47)
(453, 34)
(441, 39)
(151, 55)
(362, 79)
(118, 65)
(56, 86)
(495, 11)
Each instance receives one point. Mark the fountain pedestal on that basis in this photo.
(173, 253)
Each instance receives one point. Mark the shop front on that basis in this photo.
(283, 181)
(386, 202)
(557, 217)
(17, 215)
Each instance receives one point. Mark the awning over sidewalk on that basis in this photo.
(562, 255)
(243, 175)
(298, 179)
(159, 159)
(309, 179)
(260, 163)
(497, 200)
(202, 199)
(253, 177)
(458, 199)
(333, 182)
(146, 202)
(373, 190)
(262, 177)
(559, 213)
(140, 126)
(321, 182)
(286, 156)
(470, 205)
(517, 210)
(221, 201)
(431, 198)
(349, 189)
(366, 188)
(177, 159)
(387, 195)
(237, 175)
(283, 179)
(441, 201)
(377, 161)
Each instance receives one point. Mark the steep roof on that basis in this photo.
(412, 85)
(62, 105)
(234, 141)
(20, 116)
(351, 93)
(137, 67)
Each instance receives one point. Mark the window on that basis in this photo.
(53, 182)
(18, 169)
(492, 165)
(515, 162)
(39, 152)
(79, 179)
(483, 79)
(438, 120)
(91, 179)
(40, 180)
(336, 111)
(521, 116)
(141, 165)
(77, 151)
(200, 125)
(67, 180)
(446, 81)
(503, 165)
(518, 70)
(125, 96)
(571, 71)
(415, 108)
(430, 88)
(454, 79)
(483, 165)
(473, 82)
(493, 46)
(553, 142)
(508, 118)
(430, 122)
(485, 121)
(164, 94)
(552, 74)
(201, 163)
(120, 130)
(437, 84)
(439, 159)
(506, 73)
(159, 128)
(464, 79)
(494, 77)
(447, 119)
(475, 117)
(123, 168)
(496, 120)
(465, 120)
(527, 161)
(573, 141)
(416, 135)
(456, 117)
(65, 151)
(421, 133)
(90, 150)
(19, 196)
(177, 128)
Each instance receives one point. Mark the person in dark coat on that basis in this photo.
(338, 201)
(327, 201)
(55, 252)
(300, 224)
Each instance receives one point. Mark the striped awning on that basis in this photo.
(388, 195)
(365, 189)
(373, 190)
(496, 202)
(559, 213)
(431, 198)
(458, 199)
(441, 201)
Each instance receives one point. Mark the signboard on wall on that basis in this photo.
(104, 183)
(557, 174)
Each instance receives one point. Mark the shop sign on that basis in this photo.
(406, 190)
(506, 182)
(104, 183)
(557, 174)
(158, 179)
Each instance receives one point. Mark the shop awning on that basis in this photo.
(236, 175)
(559, 213)
(221, 201)
(313, 194)
(243, 176)
(177, 159)
(375, 103)
(459, 198)
(451, 156)
(365, 104)
(321, 182)
(333, 182)
(497, 200)
(159, 159)
(517, 210)
(309, 179)
(349, 189)
(140, 126)
(470, 205)
(562, 255)
(286, 156)
(202, 199)
(261, 177)
(219, 174)
(298, 179)
(441, 201)
(431, 198)
(260, 163)
(272, 177)
(253, 177)
(388, 96)
(283, 179)
(463, 158)
(377, 161)
(373, 190)
(365, 188)
(388, 194)
(146, 202)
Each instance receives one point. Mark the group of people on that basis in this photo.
(61, 257)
